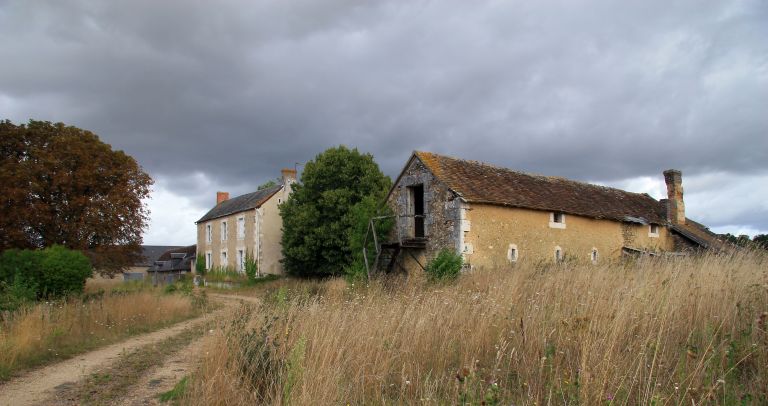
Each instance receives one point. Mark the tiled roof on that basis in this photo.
(189, 250)
(240, 203)
(482, 183)
(151, 253)
(701, 235)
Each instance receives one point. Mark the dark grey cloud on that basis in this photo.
(234, 90)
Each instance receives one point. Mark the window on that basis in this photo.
(208, 260)
(556, 220)
(223, 231)
(653, 230)
(240, 227)
(208, 233)
(594, 255)
(223, 259)
(240, 260)
(279, 200)
(558, 254)
(512, 253)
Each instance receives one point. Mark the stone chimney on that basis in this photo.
(675, 205)
(289, 176)
(221, 196)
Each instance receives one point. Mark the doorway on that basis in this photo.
(417, 199)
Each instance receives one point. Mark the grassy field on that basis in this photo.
(656, 332)
(107, 313)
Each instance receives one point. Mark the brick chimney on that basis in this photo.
(289, 176)
(221, 196)
(675, 205)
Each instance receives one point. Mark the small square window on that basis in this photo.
(653, 230)
(556, 220)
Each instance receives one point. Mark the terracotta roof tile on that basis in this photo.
(701, 235)
(483, 183)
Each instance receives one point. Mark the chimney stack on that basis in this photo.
(675, 205)
(289, 176)
(221, 196)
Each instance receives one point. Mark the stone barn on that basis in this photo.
(495, 217)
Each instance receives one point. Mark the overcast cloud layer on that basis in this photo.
(219, 96)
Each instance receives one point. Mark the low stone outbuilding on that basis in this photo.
(495, 217)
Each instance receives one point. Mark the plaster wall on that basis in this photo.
(492, 229)
(270, 234)
(263, 234)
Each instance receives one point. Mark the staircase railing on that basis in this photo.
(372, 231)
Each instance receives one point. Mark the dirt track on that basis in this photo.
(37, 386)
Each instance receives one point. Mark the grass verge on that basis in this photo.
(178, 390)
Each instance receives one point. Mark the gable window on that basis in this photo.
(594, 256)
(241, 227)
(223, 258)
(208, 233)
(653, 230)
(559, 256)
(224, 230)
(556, 220)
(512, 253)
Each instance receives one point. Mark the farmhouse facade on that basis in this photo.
(247, 225)
(495, 217)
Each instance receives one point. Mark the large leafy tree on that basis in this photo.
(62, 185)
(322, 212)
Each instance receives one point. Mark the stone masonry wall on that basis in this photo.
(441, 210)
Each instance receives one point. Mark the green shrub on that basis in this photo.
(64, 271)
(200, 264)
(225, 274)
(251, 267)
(22, 263)
(17, 294)
(446, 265)
(53, 272)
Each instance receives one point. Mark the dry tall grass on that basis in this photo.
(654, 332)
(59, 329)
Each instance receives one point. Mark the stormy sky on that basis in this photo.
(220, 95)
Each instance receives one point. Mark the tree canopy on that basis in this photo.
(268, 184)
(322, 213)
(64, 186)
